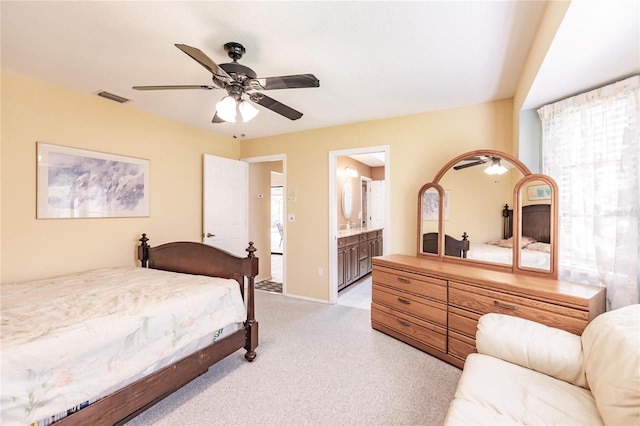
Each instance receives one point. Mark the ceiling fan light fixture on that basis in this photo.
(226, 109)
(495, 168)
(247, 111)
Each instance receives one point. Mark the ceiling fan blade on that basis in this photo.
(205, 61)
(298, 81)
(464, 166)
(275, 106)
(175, 87)
(217, 119)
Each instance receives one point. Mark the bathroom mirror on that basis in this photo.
(483, 215)
(347, 200)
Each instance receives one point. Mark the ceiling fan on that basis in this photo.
(496, 167)
(239, 80)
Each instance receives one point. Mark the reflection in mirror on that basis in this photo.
(429, 220)
(347, 200)
(477, 189)
(535, 216)
(480, 187)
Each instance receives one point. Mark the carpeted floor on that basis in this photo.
(317, 364)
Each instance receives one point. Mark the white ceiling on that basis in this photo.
(374, 60)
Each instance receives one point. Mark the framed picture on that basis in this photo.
(538, 192)
(76, 183)
(430, 204)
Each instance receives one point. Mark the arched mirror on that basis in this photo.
(537, 202)
(479, 192)
(347, 200)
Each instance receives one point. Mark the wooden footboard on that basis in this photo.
(188, 258)
(452, 247)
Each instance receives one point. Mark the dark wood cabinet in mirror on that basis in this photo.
(485, 207)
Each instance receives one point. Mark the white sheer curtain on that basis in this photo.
(591, 147)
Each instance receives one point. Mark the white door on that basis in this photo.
(226, 184)
(378, 203)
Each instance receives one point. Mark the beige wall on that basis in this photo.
(377, 173)
(36, 111)
(419, 145)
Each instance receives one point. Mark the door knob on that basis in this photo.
(209, 235)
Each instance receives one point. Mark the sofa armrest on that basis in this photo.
(548, 350)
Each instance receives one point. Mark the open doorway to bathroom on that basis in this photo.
(358, 215)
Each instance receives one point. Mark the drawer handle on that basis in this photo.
(405, 301)
(404, 280)
(403, 323)
(505, 306)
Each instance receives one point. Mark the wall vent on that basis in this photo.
(113, 97)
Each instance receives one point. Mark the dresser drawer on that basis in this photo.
(427, 333)
(422, 285)
(413, 305)
(460, 346)
(463, 322)
(483, 301)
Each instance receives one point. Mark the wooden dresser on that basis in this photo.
(435, 305)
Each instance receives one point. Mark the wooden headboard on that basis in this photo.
(536, 222)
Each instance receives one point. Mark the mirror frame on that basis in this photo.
(517, 204)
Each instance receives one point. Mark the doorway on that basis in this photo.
(267, 186)
(277, 214)
(337, 226)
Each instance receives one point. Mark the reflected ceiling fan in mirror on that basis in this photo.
(495, 168)
(239, 80)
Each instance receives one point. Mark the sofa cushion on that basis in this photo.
(611, 345)
(548, 350)
(492, 391)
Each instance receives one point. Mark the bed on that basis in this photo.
(535, 241)
(118, 340)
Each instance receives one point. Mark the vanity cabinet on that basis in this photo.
(354, 255)
(348, 261)
(435, 306)
(375, 247)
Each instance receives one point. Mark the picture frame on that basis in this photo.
(538, 192)
(430, 204)
(78, 183)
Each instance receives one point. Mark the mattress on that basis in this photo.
(496, 254)
(70, 339)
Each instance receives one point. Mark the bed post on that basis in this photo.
(143, 251)
(251, 324)
(507, 222)
(464, 245)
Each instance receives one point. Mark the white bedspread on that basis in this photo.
(68, 339)
(496, 254)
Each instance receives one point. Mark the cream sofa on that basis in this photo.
(528, 373)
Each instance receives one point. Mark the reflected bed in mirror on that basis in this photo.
(534, 243)
(535, 247)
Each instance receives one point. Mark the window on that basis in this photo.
(591, 147)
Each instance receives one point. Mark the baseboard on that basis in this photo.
(308, 299)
